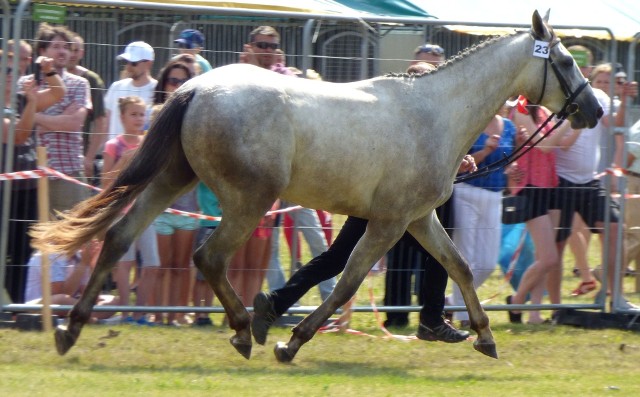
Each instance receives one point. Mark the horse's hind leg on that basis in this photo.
(376, 241)
(239, 220)
(156, 197)
(430, 233)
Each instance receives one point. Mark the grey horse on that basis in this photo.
(384, 149)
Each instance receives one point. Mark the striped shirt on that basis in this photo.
(65, 148)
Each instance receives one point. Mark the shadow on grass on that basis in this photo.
(336, 355)
(312, 368)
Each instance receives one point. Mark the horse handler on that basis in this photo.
(268, 307)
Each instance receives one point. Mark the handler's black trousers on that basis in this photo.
(333, 261)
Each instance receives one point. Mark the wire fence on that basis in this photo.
(340, 50)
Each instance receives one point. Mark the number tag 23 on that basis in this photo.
(541, 49)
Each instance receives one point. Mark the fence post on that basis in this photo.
(43, 216)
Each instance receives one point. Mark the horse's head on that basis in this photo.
(564, 90)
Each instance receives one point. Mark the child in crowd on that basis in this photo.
(116, 153)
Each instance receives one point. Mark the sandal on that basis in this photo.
(584, 288)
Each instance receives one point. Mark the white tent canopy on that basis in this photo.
(306, 6)
(622, 17)
(355, 8)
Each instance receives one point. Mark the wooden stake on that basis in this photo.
(43, 216)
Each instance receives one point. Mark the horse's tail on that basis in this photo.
(92, 216)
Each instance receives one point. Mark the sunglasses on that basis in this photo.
(263, 45)
(176, 81)
(134, 64)
(430, 49)
(8, 70)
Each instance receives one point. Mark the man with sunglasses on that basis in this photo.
(138, 57)
(263, 50)
(429, 53)
(262, 46)
(191, 41)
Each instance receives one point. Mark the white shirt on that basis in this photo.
(579, 163)
(60, 268)
(633, 147)
(635, 128)
(122, 88)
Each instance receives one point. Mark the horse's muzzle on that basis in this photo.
(581, 119)
(593, 122)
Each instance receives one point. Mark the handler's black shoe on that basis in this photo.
(264, 315)
(444, 332)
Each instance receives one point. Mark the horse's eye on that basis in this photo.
(566, 61)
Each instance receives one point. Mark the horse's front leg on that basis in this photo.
(429, 232)
(376, 241)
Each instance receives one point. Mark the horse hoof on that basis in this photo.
(242, 346)
(282, 353)
(488, 349)
(64, 339)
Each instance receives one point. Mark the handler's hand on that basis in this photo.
(468, 164)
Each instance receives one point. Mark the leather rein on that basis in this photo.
(569, 108)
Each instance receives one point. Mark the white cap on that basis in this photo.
(137, 51)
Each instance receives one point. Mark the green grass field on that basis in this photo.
(541, 360)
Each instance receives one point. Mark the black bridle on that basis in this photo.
(569, 108)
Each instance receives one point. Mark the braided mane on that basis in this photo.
(459, 56)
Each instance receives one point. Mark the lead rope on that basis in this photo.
(568, 108)
(515, 155)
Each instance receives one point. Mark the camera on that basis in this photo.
(37, 71)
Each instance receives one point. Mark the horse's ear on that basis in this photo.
(546, 16)
(539, 28)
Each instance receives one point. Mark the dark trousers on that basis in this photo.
(405, 261)
(22, 214)
(408, 259)
(332, 262)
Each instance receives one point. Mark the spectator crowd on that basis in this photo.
(90, 131)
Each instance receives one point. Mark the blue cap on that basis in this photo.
(190, 38)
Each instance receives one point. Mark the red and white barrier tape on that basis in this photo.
(19, 175)
(60, 175)
(618, 172)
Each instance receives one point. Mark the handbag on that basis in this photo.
(514, 209)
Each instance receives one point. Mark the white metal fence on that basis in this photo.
(340, 48)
